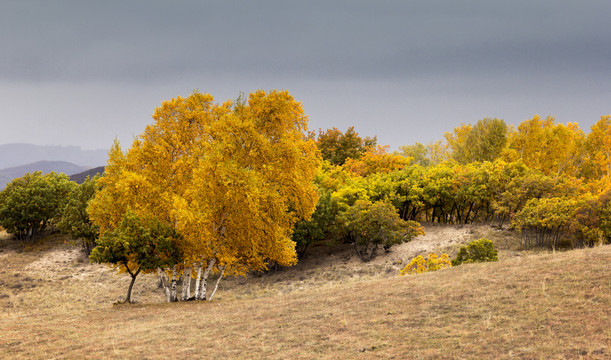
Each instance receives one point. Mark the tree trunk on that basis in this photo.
(204, 279)
(468, 213)
(173, 296)
(163, 277)
(216, 286)
(186, 284)
(128, 299)
(197, 280)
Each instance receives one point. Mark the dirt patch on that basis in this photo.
(55, 263)
(437, 238)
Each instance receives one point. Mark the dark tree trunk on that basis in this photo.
(128, 299)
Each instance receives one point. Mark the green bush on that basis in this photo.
(32, 202)
(481, 250)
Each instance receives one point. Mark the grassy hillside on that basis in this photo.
(526, 306)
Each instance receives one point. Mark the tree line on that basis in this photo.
(234, 187)
(548, 181)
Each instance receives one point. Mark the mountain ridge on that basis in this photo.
(46, 166)
(19, 154)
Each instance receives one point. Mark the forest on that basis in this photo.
(238, 187)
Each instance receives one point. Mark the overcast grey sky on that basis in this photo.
(82, 72)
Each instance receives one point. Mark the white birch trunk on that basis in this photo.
(218, 281)
(173, 296)
(204, 279)
(165, 283)
(186, 284)
(197, 280)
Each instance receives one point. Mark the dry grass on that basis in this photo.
(532, 306)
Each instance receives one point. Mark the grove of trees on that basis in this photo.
(234, 187)
(548, 181)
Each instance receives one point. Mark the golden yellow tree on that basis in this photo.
(232, 179)
(554, 149)
(146, 179)
(598, 144)
(457, 141)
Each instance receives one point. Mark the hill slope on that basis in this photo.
(529, 306)
(80, 177)
(12, 155)
(8, 174)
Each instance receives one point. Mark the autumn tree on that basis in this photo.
(375, 160)
(232, 179)
(598, 146)
(457, 143)
(554, 149)
(591, 224)
(433, 153)
(252, 183)
(155, 171)
(543, 221)
(483, 141)
(336, 147)
(438, 152)
(417, 153)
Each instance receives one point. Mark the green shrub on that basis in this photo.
(32, 202)
(481, 250)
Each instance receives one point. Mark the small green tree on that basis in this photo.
(369, 226)
(481, 250)
(137, 245)
(74, 218)
(32, 202)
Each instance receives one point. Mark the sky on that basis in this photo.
(84, 72)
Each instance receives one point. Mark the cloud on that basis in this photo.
(149, 41)
(81, 72)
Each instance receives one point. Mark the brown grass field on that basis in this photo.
(54, 305)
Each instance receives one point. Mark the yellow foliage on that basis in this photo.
(376, 160)
(432, 263)
(231, 178)
(554, 149)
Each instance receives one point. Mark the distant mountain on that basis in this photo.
(8, 174)
(80, 177)
(12, 155)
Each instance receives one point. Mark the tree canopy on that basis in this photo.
(232, 179)
(32, 202)
(337, 147)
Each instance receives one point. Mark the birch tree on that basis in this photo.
(249, 187)
(231, 179)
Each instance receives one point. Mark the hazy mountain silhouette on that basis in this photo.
(80, 177)
(8, 174)
(13, 155)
